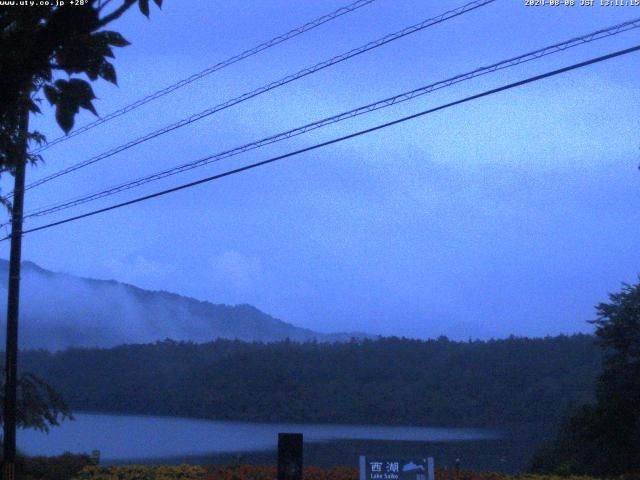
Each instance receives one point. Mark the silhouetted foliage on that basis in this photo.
(386, 381)
(38, 43)
(39, 406)
(603, 438)
(60, 467)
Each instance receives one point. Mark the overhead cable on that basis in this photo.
(396, 99)
(208, 71)
(266, 88)
(335, 140)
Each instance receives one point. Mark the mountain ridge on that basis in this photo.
(61, 310)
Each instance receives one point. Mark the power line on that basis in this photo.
(559, 47)
(218, 66)
(337, 140)
(266, 88)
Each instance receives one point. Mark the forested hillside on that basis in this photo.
(60, 311)
(389, 381)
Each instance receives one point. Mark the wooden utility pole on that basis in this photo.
(13, 300)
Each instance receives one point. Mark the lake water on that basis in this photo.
(146, 437)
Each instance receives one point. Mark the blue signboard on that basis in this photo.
(388, 468)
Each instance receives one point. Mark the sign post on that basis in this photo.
(289, 456)
(378, 468)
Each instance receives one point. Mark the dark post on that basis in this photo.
(13, 300)
(289, 456)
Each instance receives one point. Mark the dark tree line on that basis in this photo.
(387, 381)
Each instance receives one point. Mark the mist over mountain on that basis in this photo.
(60, 310)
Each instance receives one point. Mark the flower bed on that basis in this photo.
(69, 467)
(141, 472)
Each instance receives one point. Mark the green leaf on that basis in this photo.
(115, 39)
(51, 93)
(33, 108)
(144, 7)
(82, 93)
(87, 105)
(37, 137)
(108, 72)
(64, 116)
(93, 71)
(80, 89)
(73, 94)
(86, 54)
(99, 45)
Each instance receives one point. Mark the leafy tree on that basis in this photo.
(618, 390)
(39, 47)
(50, 50)
(604, 438)
(39, 405)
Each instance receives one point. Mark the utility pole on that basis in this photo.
(13, 300)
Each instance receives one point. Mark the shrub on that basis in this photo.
(140, 472)
(61, 467)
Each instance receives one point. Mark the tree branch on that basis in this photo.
(103, 4)
(117, 13)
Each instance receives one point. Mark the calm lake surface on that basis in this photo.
(146, 437)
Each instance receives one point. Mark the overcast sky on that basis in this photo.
(514, 214)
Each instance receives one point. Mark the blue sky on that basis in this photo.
(514, 214)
